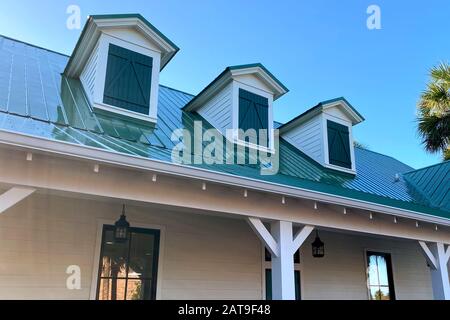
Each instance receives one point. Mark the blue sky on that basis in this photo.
(318, 49)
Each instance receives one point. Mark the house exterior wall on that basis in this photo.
(202, 256)
(219, 110)
(308, 138)
(341, 273)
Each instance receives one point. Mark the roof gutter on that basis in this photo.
(71, 150)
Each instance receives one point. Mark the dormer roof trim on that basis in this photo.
(340, 102)
(226, 77)
(91, 33)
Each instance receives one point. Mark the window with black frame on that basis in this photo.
(379, 276)
(128, 270)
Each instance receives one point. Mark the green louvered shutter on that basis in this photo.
(128, 79)
(253, 111)
(338, 145)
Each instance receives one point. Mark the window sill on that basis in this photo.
(254, 146)
(338, 168)
(117, 112)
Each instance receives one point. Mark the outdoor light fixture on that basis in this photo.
(318, 247)
(121, 228)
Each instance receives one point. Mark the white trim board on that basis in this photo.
(70, 150)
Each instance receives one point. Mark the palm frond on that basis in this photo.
(441, 72)
(434, 111)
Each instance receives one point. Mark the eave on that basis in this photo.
(359, 200)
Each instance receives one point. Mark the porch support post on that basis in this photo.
(283, 283)
(438, 257)
(281, 243)
(13, 196)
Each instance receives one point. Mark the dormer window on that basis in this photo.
(338, 145)
(324, 133)
(254, 114)
(118, 59)
(240, 99)
(128, 80)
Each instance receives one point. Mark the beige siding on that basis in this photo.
(341, 273)
(204, 257)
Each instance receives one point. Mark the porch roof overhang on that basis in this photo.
(391, 207)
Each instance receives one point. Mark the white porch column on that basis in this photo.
(283, 283)
(13, 196)
(438, 257)
(281, 243)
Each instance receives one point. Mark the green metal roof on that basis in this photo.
(432, 184)
(36, 99)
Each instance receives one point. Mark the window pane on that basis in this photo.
(142, 255)
(374, 292)
(382, 271)
(128, 270)
(114, 257)
(111, 289)
(379, 273)
(297, 285)
(268, 284)
(379, 293)
(372, 270)
(384, 293)
(268, 256)
(139, 289)
(297, 256)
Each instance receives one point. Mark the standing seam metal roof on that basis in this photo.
(36, 99)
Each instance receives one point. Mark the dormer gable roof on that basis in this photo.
(341, 103)
(227, 75)
(96, 23)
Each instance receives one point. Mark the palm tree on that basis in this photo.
(434, 111)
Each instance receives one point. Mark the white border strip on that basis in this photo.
(138, 162)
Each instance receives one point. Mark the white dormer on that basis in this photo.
(324, 133)
(241, 97)
(118, 59)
